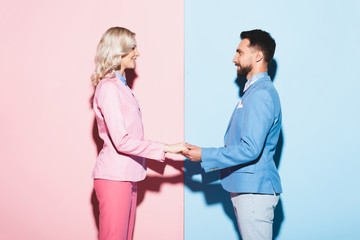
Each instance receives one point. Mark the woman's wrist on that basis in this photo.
(174, 148)
(166, 148)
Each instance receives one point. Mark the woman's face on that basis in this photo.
(128, 60)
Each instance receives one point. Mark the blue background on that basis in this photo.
(316, 75)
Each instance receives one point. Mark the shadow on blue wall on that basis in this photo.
(210, 185)
(211, 188)
(279, 211)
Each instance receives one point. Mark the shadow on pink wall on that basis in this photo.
(151, 183)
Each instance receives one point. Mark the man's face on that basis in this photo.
(244, 58)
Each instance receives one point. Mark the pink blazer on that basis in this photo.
(120, 125)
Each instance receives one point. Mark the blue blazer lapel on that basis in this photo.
(254, 86)
(251, 89)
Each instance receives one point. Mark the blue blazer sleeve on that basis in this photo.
(256, 120)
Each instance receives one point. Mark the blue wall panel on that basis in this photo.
(316, 74)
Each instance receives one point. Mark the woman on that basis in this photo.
(121, 162)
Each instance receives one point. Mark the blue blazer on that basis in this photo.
(247, 160)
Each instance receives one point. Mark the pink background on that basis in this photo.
(48, 144)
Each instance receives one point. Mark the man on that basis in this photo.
(246, 161)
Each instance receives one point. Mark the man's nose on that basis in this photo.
(235, 60)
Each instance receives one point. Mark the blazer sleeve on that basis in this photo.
(257, 121)
(109, 102)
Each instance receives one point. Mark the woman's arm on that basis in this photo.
(109, 102)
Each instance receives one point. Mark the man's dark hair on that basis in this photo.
(262, 41)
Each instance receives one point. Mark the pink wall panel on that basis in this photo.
(47, 144)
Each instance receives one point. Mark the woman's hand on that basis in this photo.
(175, 148)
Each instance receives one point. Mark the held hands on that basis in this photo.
(189, 151)
(192, 152)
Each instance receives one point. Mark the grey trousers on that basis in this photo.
(255, 214)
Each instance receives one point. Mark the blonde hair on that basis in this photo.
(115, 43)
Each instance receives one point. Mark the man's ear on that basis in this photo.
(259, 56)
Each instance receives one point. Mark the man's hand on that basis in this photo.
(193, 153)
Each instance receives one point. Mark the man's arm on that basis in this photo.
(257, 121)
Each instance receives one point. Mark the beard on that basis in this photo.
(243, 71)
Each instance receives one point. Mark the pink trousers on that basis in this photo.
(117, 206)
